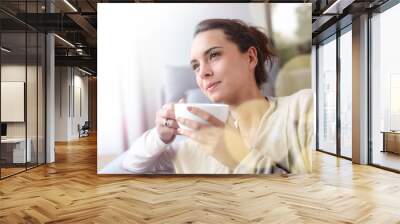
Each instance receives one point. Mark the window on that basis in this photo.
(385, 89)
(327, 96)
(22, 66)
(346, 93)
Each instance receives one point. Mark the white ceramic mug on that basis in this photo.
(220, 111)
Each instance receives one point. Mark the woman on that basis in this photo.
(263, 135)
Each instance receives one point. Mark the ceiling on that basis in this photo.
(76, 22)
(77, 25)
(332, 15)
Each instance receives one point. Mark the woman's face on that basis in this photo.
(222, 71)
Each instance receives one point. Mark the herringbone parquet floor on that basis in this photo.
(70, 191)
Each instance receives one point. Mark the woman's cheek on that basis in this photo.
(200, 84)
(222, 67)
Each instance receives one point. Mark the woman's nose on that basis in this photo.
(205, 71)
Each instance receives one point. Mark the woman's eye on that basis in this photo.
(213, 55)
(194, 67)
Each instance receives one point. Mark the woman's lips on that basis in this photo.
(212, 86)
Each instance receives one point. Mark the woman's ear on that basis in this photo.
(253, 60)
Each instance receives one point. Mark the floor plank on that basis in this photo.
(70, 191)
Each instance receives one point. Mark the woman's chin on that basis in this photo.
(216, 98)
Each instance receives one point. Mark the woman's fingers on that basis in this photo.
(209, 136)
(162, 120)
(167, 111)
(166, 116)
(191, 134)
(191, 123)
(186, 133)
(206, 116)
(182, 100)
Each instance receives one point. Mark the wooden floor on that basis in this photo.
(10, 171)
(387, 159)
(70, 191)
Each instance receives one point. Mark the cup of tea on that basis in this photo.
(220, 111)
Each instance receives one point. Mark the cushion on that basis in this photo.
(196, 96)
(177, 80)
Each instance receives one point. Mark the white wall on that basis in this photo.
(67, 81)
(12, 73)
(33, 127)
(80, 83)
(61, 103)
(15, 73)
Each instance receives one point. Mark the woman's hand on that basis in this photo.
(166, 123)
(217, 139)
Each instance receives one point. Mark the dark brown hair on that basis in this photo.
(244, 36)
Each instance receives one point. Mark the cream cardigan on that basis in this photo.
(283, 144)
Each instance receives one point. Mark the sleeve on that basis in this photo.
(302, 142)
(149, 154)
